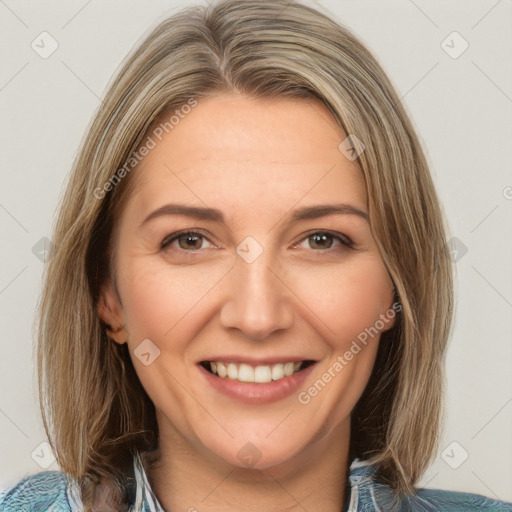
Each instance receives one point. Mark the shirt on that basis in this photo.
(54, 491)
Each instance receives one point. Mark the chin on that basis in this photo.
(259, 453)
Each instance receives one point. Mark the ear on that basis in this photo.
(111, 313)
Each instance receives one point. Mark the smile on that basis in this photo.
(261, 374)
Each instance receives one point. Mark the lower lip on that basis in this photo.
(253, 393)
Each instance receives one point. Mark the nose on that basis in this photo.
(258, 300)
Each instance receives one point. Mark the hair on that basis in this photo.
(95, 411)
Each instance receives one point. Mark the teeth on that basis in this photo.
(262, 374)
(259, 374)
(232, 371)
(221, 370)
(288, 369)
(277, 371)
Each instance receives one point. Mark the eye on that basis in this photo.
(191, 241)
(324, 240)
(187, 240)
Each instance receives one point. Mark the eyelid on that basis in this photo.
(344, 240)
(191, 231)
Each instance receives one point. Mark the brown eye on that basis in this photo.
(187, 241)
(319, 241)
(325, 240)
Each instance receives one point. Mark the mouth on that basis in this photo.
(251, 373)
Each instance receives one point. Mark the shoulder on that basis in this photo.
(46, 490)
(457, 501)
(378, 496)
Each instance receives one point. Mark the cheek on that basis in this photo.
(344, 304)
(344, 300)
(163, 303)
(167, 306)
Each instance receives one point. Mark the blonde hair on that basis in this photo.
(95, 411)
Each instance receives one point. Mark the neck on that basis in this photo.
(190, 479)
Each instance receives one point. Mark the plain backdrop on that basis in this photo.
(457, 88)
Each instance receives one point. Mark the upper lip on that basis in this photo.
(256, 361)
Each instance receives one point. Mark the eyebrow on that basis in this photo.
(212, 214)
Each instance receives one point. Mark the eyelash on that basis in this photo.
(344, 241)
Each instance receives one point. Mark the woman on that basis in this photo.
(250, 300)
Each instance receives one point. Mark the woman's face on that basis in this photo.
(270, 281)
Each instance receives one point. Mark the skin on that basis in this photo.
(257, 161)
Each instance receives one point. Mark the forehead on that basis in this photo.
(236, 151)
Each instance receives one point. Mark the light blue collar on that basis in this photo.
(146, 501)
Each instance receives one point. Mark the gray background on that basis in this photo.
(461, 108)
